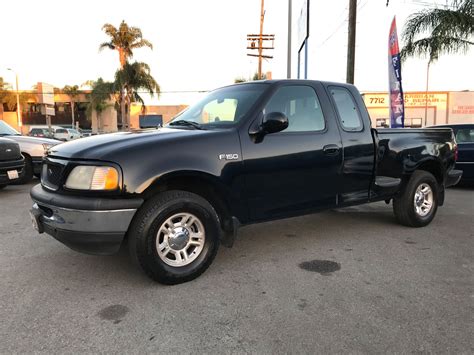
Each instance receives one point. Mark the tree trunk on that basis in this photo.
(128, 112)
(122, 58)
(123, 117)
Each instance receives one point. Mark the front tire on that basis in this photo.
(416, 206)
(174, 237)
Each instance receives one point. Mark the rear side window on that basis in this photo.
(346, 108)
(465, 135)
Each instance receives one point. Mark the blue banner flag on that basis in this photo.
(397, 106)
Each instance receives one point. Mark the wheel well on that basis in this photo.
(434, 168)
(204, 187)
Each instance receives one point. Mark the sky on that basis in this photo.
(201, 45)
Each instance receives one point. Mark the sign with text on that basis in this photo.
(410, 99)
(45, 94)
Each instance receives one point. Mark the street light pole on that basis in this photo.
(426, 91)
(18, 109)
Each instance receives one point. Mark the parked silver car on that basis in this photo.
(32, 148)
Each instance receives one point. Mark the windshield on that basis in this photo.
(7, 130)
(222, 107)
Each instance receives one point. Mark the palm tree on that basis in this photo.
(431, 33)
(100, 98)
(239, 79)
(124, 40)
(136, 78)
(439, 31)
(72, 92)
(8, 96)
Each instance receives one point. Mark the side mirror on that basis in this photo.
(274, 122)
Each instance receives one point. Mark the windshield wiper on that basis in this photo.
(186, 123)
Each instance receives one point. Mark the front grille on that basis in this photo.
(9, 150)
(51, 176)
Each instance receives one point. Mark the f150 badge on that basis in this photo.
(228, 156)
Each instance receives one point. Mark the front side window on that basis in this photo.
(346, 108)
(301, 105)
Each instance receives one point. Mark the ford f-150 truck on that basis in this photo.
(245, 153)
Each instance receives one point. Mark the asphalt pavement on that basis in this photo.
(350, 280)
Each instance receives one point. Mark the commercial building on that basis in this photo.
(105, 122)
(421, 109)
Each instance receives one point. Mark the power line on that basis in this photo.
(342, 23)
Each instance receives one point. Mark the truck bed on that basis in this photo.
(399, 152)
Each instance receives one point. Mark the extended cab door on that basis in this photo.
(358, 144)
(296, 170)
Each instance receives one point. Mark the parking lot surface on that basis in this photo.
(350, 280)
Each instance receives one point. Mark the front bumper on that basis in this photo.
(88, 225)
(453, 177)
(37, 162)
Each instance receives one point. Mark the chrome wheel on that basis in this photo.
(180, 239)
(423, 200)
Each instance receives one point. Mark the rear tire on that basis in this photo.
(174, 237)
(416, 206)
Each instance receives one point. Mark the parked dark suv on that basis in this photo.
(464, 134)
(11, 162)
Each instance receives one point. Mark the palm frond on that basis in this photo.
(109, 29)
(433, 47)
(142, 43)
(431, 33)
(108, 45)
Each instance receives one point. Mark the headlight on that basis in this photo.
(87, 177)
(46, 147)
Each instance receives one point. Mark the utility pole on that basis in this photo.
(351, 41)
(260, 42)
(288, 60)
(259, 38)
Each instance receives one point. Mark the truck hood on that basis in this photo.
(110, 147)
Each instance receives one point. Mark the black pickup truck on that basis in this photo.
(245, 153)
